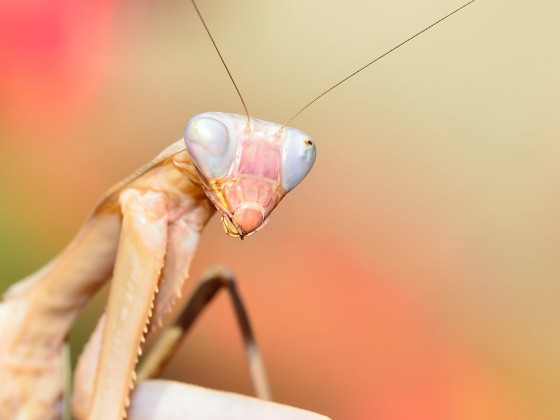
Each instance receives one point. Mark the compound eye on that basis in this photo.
(209, 145)
(298, 156)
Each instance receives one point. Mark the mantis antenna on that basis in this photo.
(224, 63)
(371, 62)
(303, 108)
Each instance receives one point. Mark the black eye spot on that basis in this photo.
(309, 142)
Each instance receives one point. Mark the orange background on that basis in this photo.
(413, 275)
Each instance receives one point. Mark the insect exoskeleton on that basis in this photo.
(247, 166)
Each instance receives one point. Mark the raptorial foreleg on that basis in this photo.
(37, 313)
(183, 232)
(135, 280)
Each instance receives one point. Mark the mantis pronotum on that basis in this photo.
(241, 166)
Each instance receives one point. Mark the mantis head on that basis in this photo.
(246, 170)
(246, 165)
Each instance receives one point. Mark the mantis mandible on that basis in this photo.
(143, 234)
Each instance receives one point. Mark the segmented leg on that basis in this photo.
(135, 280)
(37, 313)
(211, 283)
(165, 242)
(182, 238)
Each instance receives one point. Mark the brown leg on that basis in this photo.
(212, 281)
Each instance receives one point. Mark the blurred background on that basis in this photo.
(414, 275)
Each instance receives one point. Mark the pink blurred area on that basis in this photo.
(412, 276)
(52, 57)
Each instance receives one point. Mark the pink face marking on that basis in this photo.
(246, 170)
(260, 158)
(255, 183)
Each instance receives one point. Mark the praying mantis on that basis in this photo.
(143, 234)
